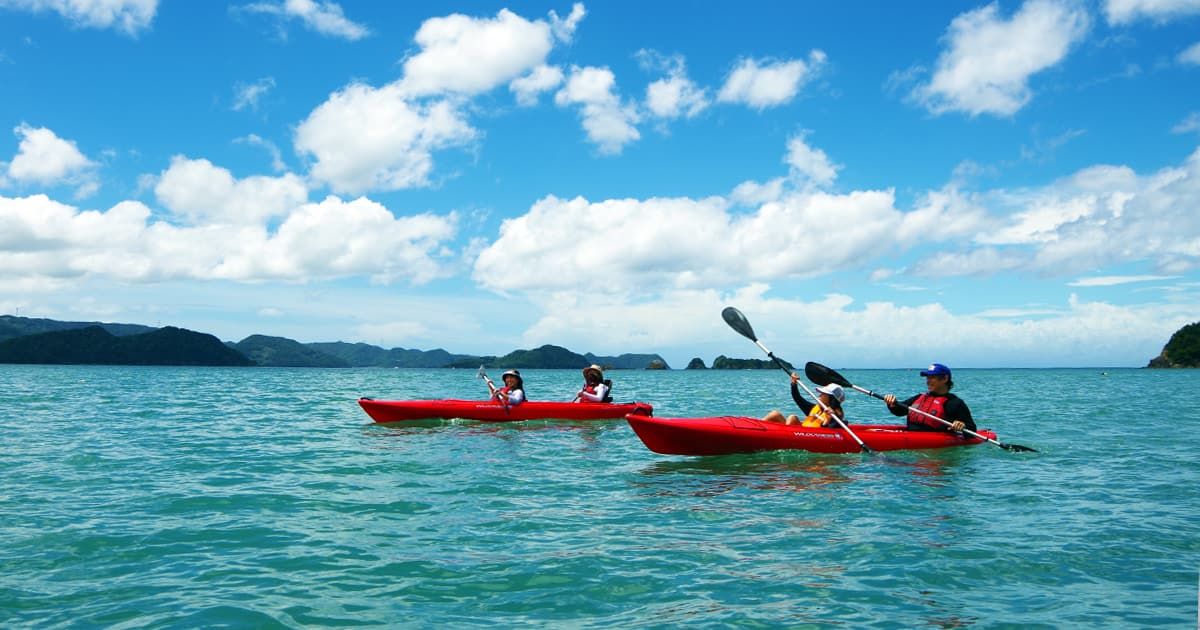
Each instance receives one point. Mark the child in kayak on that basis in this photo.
(831, 396)
(595, 387)
(938, 401)
(513, 392)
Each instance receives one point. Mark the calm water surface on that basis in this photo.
(201, 497)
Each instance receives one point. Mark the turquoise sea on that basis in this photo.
(208, 497)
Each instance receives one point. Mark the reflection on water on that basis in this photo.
(711, 476)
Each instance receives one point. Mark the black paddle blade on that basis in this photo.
(738, 322)
(1017, 448)
(822, 375)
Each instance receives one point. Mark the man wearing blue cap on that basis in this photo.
(938, 401)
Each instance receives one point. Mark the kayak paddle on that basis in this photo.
(822, 375)
(739, 323)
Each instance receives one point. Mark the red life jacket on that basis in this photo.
(930, 404)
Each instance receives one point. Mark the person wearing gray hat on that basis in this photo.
(937, 401)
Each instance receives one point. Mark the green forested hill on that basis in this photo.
(94, 345)
(1182, 350)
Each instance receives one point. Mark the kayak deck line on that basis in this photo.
(722, 435)
(495, 411)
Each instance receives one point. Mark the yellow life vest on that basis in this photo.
(816, 417)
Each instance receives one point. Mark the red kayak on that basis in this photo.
(731, 434)
(493, 411)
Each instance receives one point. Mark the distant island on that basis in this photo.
(46, 341)
(1181, 351)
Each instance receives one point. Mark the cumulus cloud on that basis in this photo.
(541, 79)
(608, 123)
(763, 84)
(988, 61)
(466, 55)
(1126, 11)
(365, 138)
(44, 158)
(1101, 215)
(809, 164)
(199, 193)
(326, 18)
(674, 95)
(337, 238)
(680, 242)
(127, 16)
(46, 240)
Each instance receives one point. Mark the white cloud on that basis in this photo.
(1191, 55)
(326, 18)
(752, 193)
(1108, 281)
(607, 122)
(336, 238)
(564, 28)
(1189, 124)
(674, 95)
(809, 164)
(680, 242)
(1100, 216)
(1126, 11)
(48, 241)
(541, 79)
(836, 330)
(467, 55)
(989, 60)
(200, 193)
(366, 138)
(762, 84)
(44, 158)
(127, 16)
(247, 95)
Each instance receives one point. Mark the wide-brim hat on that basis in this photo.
(594, 368)
(512, 373)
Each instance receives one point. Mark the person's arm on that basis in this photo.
(956, 409)
(516, 396)
(803, 404)
(898, 408)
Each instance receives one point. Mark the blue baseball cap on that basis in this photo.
(936, 369)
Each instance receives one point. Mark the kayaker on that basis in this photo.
(831, 396)
(595, 388)
(513, 392)
(938, 401)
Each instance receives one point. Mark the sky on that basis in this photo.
(873, 184)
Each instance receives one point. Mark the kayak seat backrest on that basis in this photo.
(608, 393)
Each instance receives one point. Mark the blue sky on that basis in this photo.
(872, 184)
